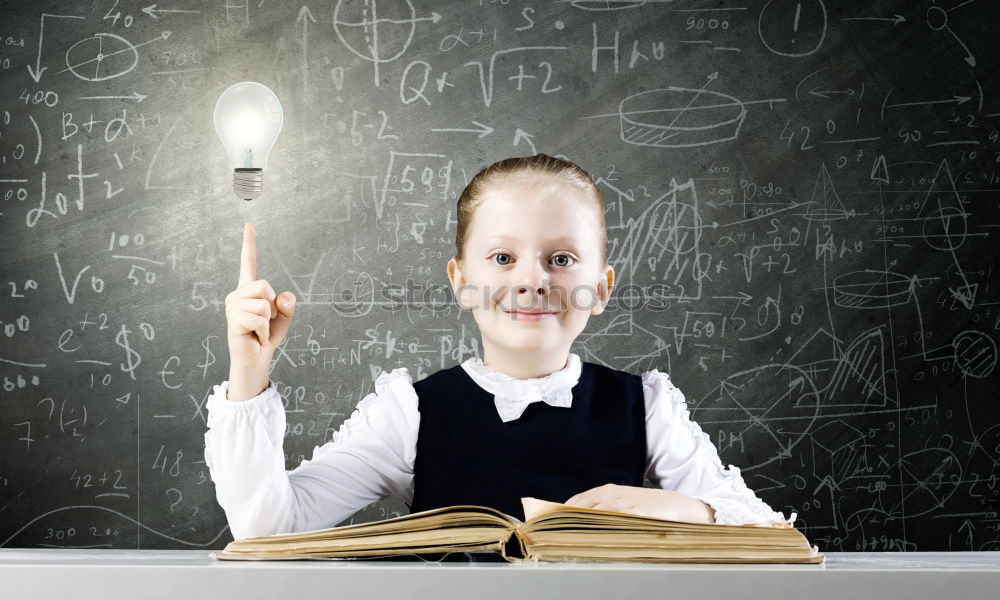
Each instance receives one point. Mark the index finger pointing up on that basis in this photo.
(248, 258)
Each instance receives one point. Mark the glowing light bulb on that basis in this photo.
(248, 119)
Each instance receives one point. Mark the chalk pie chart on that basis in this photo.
(675, 117)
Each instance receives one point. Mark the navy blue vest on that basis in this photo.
(467, 455)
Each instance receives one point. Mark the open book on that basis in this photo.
(550, 532)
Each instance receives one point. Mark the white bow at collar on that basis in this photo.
(512, 396)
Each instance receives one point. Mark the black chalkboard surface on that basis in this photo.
(801, 199)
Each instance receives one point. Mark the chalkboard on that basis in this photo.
(801, 199)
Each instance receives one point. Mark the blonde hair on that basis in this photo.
(539, 164)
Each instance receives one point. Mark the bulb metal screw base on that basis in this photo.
(248, 183)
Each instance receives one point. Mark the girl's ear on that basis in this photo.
(457, 279)
(604, 287)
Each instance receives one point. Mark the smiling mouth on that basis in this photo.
(529, 316)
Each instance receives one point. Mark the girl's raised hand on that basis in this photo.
(257, 319)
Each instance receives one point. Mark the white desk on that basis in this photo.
(190, 574)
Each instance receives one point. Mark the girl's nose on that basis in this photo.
(535, 279)
(541, 290)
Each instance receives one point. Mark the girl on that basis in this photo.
(528, 419)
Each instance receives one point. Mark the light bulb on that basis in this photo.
(248, 119)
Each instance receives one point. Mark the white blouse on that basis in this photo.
(371, 456)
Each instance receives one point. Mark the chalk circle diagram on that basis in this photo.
(770, 409)
(975, 353)
(989, 444)
(871, 289)
(676, 117)
(352, 293)
(792, 28)
(937, 20)
(930, 477)
(113, 54)
(378, 39)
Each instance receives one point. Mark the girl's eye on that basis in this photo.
(507, 260)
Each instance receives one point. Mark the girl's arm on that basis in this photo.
(369, 458)
(681, 457)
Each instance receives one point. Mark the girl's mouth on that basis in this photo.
(530, 315)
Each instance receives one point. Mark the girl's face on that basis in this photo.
(532, 247)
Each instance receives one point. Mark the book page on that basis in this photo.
(461, 515)
(534, 507)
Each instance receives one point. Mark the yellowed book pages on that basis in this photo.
(533, 507)
(551, 531)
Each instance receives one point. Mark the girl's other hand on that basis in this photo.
(645, 502)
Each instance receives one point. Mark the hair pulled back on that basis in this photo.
(540, 164)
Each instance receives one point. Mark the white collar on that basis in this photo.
(511, 396)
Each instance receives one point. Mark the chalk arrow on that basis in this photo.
(520, 134)
(133, 96)
(151, 10)
(36, 73)
(483, 130)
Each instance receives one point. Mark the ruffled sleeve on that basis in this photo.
(369, 457)
(681, 457)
